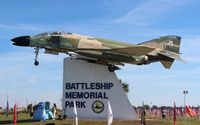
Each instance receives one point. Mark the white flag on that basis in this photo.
(75, 113)
(110, 114)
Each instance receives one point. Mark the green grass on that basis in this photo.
(24, 119)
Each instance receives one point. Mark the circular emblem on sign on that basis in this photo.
(98, 106)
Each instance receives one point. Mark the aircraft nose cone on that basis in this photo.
(21, 41)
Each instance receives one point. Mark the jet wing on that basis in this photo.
(133, 51)
(128, 51)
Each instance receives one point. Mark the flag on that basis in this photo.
(15, 115)
(190, 112)
(174, 113)
(110, 114)
(7, 109)
(76, 114)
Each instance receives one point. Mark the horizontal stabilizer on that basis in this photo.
(181, 60)
(172, 55)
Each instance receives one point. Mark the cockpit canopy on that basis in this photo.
(52, 33)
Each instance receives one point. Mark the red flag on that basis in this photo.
(15, 115)
(190, 112)
(174, 113)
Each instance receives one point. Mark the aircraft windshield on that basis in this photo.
(51, 33)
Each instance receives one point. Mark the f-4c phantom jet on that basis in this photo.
(103, 51)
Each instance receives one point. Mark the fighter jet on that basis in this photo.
(103, 51)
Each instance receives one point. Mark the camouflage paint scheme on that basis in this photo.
(103, 51)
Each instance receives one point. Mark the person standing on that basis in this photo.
(54, 111)
(143, 117)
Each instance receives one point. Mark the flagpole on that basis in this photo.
(7, 106)
(110, 114)
(142, 112)
(174, 113)
(76, 114)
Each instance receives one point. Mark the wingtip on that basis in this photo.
(181, 60)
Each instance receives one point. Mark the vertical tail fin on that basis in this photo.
(169, 43)
(168, 49)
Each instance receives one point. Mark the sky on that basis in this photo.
(133, 21)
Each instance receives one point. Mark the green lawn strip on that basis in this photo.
(25, 119)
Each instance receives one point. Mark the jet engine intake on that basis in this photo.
(141, 60)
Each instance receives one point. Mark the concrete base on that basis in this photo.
(91, 86)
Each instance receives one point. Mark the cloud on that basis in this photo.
(149, 10)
